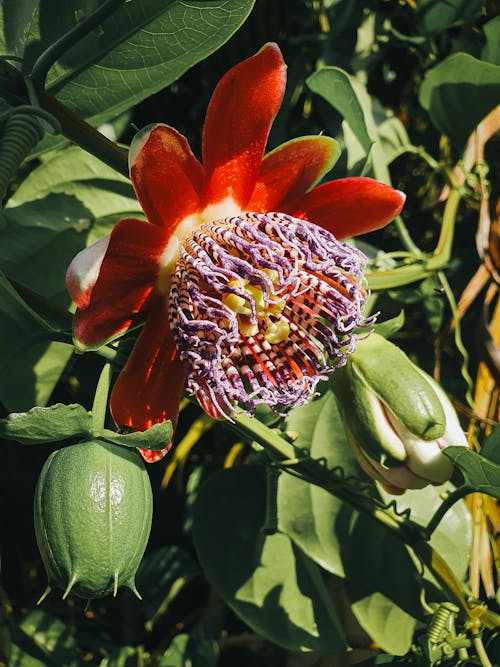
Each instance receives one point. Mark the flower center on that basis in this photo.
(256, 308)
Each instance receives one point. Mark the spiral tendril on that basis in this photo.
(340, 475)
(21, 130)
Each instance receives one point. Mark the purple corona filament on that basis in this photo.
(262, 307)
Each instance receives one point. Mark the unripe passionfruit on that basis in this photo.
(93, 511)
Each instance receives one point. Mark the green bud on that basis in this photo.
(396, 417)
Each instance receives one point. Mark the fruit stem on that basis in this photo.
(100, 404)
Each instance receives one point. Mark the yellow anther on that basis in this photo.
(247, 328)
(237, 304)
(277, 332)
(276, 307)
(274, 332)
(257, 295)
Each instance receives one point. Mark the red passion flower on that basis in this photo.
(245, 292)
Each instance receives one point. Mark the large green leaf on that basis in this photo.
(337, 87)
(266, 579)
(369, 131)
(51, 636)
(433, 16)
(140, 49)
(66, 203)
(39, 240)
(458, 93)
(344, 542)
(480, 474)
(423, 503)
(30, 364)
(72, 171)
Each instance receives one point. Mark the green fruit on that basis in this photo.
(93, 510)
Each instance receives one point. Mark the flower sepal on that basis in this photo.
(396, 417)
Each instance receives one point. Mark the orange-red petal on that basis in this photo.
(349, 206)
(291, 170)
(149, 388)
(127, 277)
(237, 123)
(166, 175)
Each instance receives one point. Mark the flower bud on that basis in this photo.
(397, 419)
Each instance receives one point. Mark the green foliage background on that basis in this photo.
(401, 86)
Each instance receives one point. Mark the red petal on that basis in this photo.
(291, 170)
(149, 387)
(126, 279)
(166, 175)
(237, 124)
(349, 206)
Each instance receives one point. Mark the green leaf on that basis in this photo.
(266, 580)
(162, 575)
(155, 437)
(433, 16)
(68, 202)
(458, 93)
(124, 656)
(491, 50)
(195, 649)
(73, 171)
(337, 88)
(143, 47)
(39, 241)
(369, 130)
(423, 503)
(479, 473)
(40, 425)
(21, 656)
(30, 364)
(491, 446)
(335, 536)
(51, 636)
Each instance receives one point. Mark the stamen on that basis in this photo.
(262, 308)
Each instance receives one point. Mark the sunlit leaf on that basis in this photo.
(344, 542)
(266, 579)
(458, 93)
(194, 649)
(336, 87)
(422, 504)
(51, 636)
(140, 49)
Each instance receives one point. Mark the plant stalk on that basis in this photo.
(45, 61)
(87, 137)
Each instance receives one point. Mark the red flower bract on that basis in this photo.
(124, 280)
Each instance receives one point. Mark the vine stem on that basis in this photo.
(87, 137)
(313, 472)
(450, 500)
(45, 61)
(423, 265)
